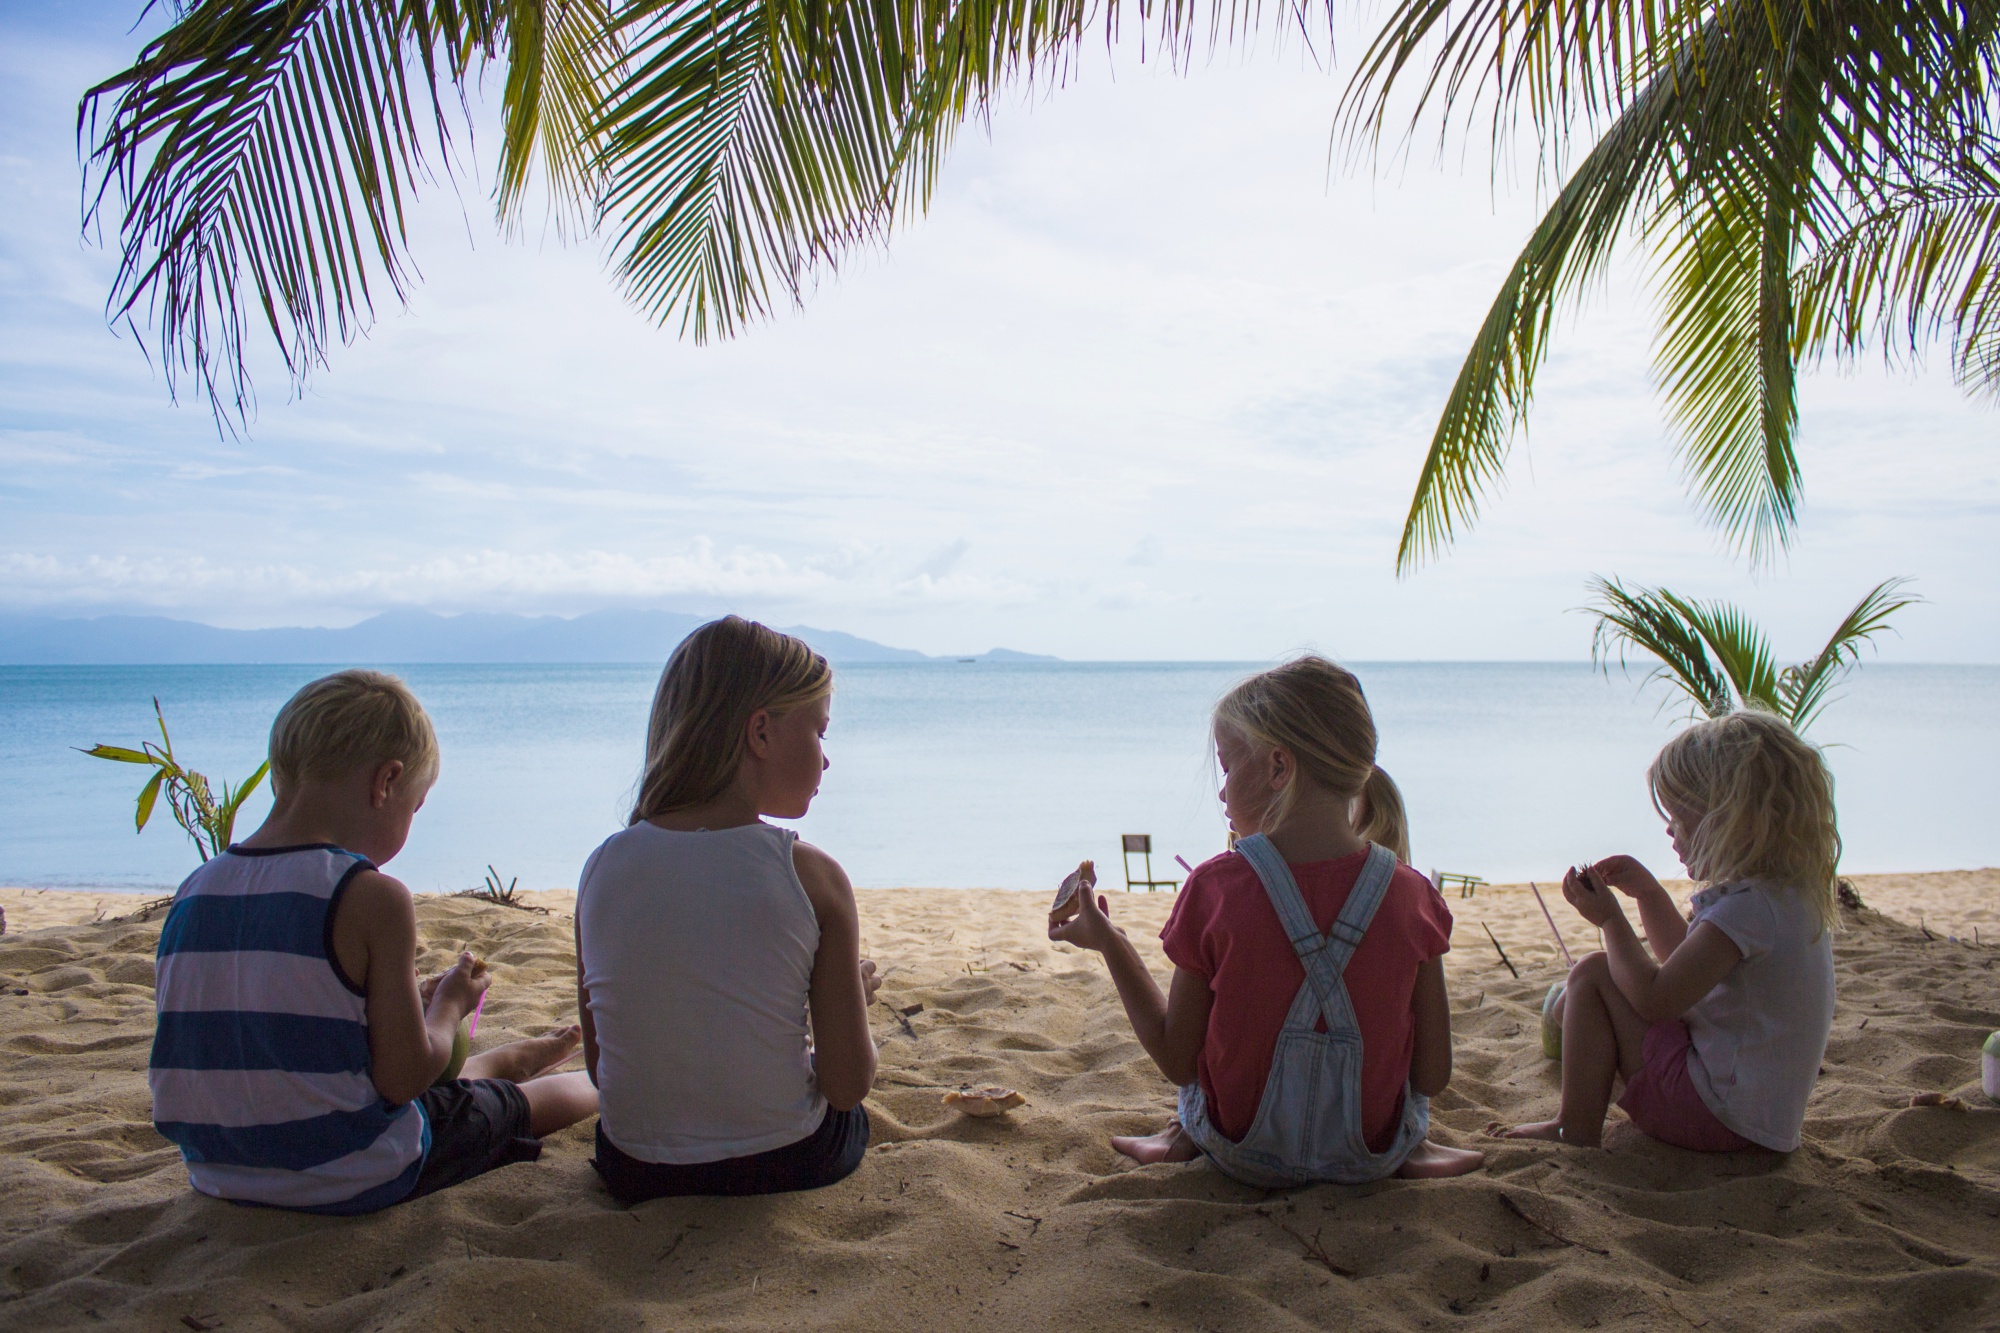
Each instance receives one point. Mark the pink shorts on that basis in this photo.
(1662, 1101)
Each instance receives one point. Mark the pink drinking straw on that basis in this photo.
(1538, 902)
(1184, 865)
(477, 1009)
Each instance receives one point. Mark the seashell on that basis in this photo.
(1942, 1100)
(984, 1101)
(1084, 876)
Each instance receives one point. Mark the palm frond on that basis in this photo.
(261, 154)
(1570, 246)
(754, 143)
(1738, 647)
(563, 60)
(1921, 261)
(1805, 689)
(1743, 132)
(1660, 624)
(1725, 367)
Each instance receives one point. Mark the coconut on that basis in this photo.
(1552, 1027)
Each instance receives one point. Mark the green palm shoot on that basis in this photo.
(210, 822)
(1713, 653)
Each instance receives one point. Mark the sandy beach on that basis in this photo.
(1886, 1218)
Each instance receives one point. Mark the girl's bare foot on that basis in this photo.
(519, 1061)
(1171, 1144)
(1434, 1161)
(1549, 1131)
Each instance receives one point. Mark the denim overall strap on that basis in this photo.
(1324, 956)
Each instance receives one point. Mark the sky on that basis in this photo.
(1152, 379)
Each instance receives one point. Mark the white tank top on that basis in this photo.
(697, 961)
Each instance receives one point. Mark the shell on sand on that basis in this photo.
(984, 1101)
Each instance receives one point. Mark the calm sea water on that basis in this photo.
(990, 774)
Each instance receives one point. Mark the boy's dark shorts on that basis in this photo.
(477, 1124)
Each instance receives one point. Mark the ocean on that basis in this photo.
(990, 774)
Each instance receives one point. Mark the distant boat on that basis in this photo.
(968, 659)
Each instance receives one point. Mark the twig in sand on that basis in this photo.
(1316, 1251)
(1503, 953)
(1924, 928)
(1567, 960)
(903, 1017)
(1027, 1217)
(1544, 1227)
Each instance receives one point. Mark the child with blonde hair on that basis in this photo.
(1719, 1033)
(297, 1060)
(719, 975)
(1307, 1024)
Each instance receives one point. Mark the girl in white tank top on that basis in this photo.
(719, 978)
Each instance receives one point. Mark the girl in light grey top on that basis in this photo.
(719, 979)
(1719, 1031)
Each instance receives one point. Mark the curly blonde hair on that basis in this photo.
(1761, 799)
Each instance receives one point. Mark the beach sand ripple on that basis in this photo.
(1885, 1219)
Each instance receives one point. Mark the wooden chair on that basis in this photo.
(1467, 885)
(1141, 845)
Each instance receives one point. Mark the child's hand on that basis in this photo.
(1595, 903)
(1091, 927)
(1625, 874)
(871, 980)
(461, 985)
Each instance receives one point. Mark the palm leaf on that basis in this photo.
(148, 794)
(1725, 365)
(1739, 649)
(1569, 247)
(1804, 689)
(563, 60)
(1660, 624)
(1921, 261)
(260, 152)
(1741, 134)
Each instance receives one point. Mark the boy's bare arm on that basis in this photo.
(1430, 1054)
(844, 1048)
(375, 938)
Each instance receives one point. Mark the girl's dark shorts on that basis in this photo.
(829, 1153)
(477, 1124)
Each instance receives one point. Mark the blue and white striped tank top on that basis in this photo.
(260, 1061)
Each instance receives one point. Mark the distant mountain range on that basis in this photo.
(404, 636)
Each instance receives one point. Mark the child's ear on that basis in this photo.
(387, 774)
(1281, 768)
(757, 732)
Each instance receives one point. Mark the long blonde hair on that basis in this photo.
(720, 675)
(1762, 801)
(1316, 711)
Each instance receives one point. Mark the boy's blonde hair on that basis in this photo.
(1317, 712)
(349, 719)
(1762, 801)
(718, 677)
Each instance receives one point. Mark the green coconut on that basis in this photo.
(461, 1046)
(1552, 1028)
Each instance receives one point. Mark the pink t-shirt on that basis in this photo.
(1224, 930)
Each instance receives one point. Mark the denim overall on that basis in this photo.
(1308, 1126)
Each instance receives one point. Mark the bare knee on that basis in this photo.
(1593, 969)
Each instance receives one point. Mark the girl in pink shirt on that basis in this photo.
(1307, 1024)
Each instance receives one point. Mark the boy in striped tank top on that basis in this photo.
(296, 1059)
